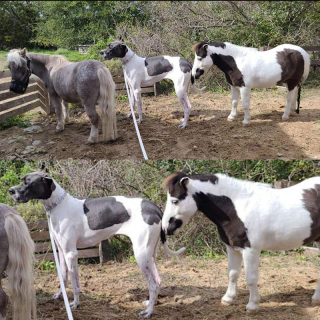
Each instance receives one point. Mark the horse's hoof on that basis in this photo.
(91, 142)
(225, 303)
(182, 126)
(315, 302)
(252, 307)
(59, 130)
(74, 305)
(285, 119)
(230, 119)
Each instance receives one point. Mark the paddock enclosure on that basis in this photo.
(190, 289)
(208, 135)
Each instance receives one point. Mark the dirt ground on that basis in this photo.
(208, 135)
(190, 289)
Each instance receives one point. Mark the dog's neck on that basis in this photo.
(127, 58)
(57, 197)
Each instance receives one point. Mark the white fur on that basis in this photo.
(275, 219)
(138, 77)
(71, 231)
(260, 69)
(14, 56)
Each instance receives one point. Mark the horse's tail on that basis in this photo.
(20, 267)
(298, 98)
(194, 85)
(306, 59)
(166, 247)
(107, 104)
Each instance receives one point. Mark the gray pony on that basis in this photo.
(16, 258)
(88, 82)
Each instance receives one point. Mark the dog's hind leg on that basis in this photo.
(145, 256)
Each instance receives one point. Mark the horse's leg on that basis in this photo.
(3, 302)
(55, 100)
(94, 120)
(235, 96)
(245, 97)
(294, 102)
(234, 266)
(251, 265)
(290, 101)
(66, 112)
(316, 295)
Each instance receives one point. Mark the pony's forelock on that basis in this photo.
(14, 56)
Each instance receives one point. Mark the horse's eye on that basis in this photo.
(174, 201)
(199, 58)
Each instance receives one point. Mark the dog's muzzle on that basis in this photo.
(174, 224)
(105, 55)
(199, 73)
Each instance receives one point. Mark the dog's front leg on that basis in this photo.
(137, 97)
(64, 271)
(72, 264)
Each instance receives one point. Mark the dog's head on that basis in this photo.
(37, 185)
(116, 49)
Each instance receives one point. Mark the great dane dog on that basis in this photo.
(142, 72)
(84, 222)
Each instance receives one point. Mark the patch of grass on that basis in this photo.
(45, 265)
(132, 259)
(19, 121)
(122, 97)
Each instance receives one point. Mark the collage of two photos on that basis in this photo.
(159, 159)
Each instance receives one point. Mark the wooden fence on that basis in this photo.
(13, 104)
(43, 251)
(118, 78)
(36, 95)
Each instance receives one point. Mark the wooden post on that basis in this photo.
(104, 251)
(156, 89)
(49, 109)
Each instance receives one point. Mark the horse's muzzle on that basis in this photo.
(19, 86)
(199, 73)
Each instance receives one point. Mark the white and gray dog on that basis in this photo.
(142, 72)
(84, 222)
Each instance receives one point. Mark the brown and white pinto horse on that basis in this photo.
(247, 68)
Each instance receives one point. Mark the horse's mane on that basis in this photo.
(14, 56)
(240, 48)
(244, 183)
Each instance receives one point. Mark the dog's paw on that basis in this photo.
(145, 314)
(57, 296)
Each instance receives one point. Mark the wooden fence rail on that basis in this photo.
(43, 251)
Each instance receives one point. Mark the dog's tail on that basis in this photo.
(107, 104)
(20, 267)
(194, 85)
(166, 247)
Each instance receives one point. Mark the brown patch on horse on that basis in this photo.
(228, 65)
(292, 65)
(311, 199)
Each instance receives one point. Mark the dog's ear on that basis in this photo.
(49, 181)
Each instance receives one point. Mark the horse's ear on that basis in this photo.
(205, 46)
(184, 182)
(23, 52)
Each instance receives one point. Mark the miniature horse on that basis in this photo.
(88, 82)
(247, 68)
(146, 71)
(250, 217)
(16, 258)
